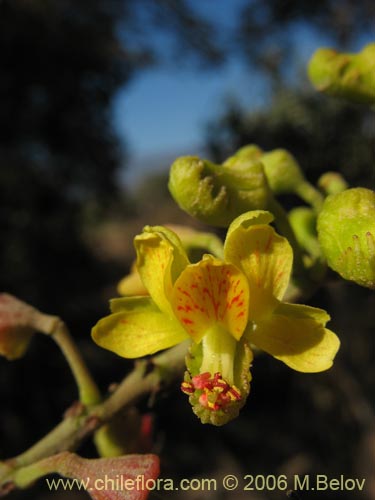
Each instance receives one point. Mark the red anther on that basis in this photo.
(206, 403)
(202, 380)
(222, 384)
(187, 388)
(203, 400)
(234, 392)
(216, 393)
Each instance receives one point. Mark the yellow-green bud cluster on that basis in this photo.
(351, 76)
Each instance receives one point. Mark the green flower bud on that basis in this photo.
(244, 157)
(346, 232)
(351, 76)
(283, 173)
(285, 176)
(216, 194)
(111, 440)
(332, 183)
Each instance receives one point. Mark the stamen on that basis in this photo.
(187, 388)
(214, 393)
(202, 380)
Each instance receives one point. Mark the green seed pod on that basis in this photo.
(351, 76)
(216, 194)
(346, 232)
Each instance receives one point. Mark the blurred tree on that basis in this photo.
(61, 64)
(322, 133)
(267, 30)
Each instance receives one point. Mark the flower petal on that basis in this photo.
(303, 312)
(252, 218)
(160, 260)
(302, 343)
(138, 329)
(131, 284)
(265, 257)
(128, 304)
(210, 293)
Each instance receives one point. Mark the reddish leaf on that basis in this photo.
(129, 477)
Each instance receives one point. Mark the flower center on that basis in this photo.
(214, 393)
(218, 353)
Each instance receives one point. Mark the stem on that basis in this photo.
(283, 225)
(209, 241)
(26, 476)
(167, 366)
(88, 391)
(310, 195)
(75, 428)
(54, 327)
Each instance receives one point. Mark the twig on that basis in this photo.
(147, 376)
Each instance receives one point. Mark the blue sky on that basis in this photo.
(163, 112)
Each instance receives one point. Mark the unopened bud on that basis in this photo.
(18, 322)
(332, 183)
(351, 76)
(346, 232)
(217, 194)
(244, 156)
(282, 170)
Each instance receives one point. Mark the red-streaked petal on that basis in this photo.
(263, 256)
(210, 293)
(137, 328)
(302, 343)
(160, 259)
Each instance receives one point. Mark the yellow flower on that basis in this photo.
(193, 242)
(225, 307)
(132, 284)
